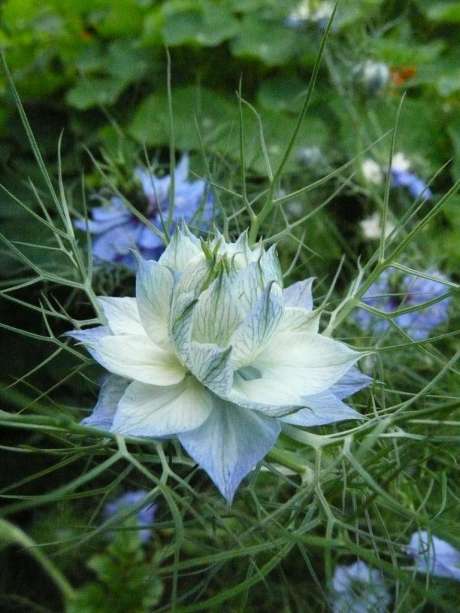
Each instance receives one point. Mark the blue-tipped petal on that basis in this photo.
(90, 335)
(351, 383)
(112, 389)
(322, 409)
(230, 443)
(299, 294)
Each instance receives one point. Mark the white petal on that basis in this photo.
(183, 249)
(293, 366)
(154, 287)
(148, 410)
(136, 357)
(296, 319)
(122, 315)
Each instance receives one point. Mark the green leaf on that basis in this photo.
(215, 116)
(95, 91)
(201, 24)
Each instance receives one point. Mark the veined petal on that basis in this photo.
(258, 327)
(296, 319)
(299, 294)
(154, 287)
(122, 315)
(216, 314)
(212, 366)
(292, 367)
(230, 443)
(136, 357)
(321, 409)
(182, 250)
(305, 363)
(149, 410)
(111, 391)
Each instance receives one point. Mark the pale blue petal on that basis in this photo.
(90, 335)
(299, 294)
(111, 391)
(353, 381)
(322, 409)
(230, 443)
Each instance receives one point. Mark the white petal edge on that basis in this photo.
(148, 410)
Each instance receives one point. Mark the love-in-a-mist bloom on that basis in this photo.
(310, 11)
(214, 352)
(144, 517)
(403, 176)
(116, 231)
(359, 589)
(434, 556)
(394, 291)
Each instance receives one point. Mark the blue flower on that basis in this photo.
(391, 293)
(434, 556)
(359, 589)
(145, 515)
(402, 176)
(117, 231)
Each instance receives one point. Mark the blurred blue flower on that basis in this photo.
(358, 589)
(145, 515)
(434, 556)
(392, 292)
(117, 231)
(402, 176)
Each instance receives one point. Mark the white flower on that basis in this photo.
(400, 163)
(359, 589)
(434, 556)
(372, 76)
(372, 227)
(372, 172)
(310, 10)
(213, 351)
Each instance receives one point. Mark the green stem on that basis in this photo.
(12, 534)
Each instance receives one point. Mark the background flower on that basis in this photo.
(402, 176)
(434, 556)
(393, 291)
(359, 589)
(117, 231)
(145, 516)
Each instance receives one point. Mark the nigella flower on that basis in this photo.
(359, 589)
(372, 77)
(117, 231)
(145, 515)
(402, 176)
(372, 227)
(434, 556)
(214, 352)
(372, 172)
(393, 291)
(314, 11)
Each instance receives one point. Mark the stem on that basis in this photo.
(11, 533)
(287, 459)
